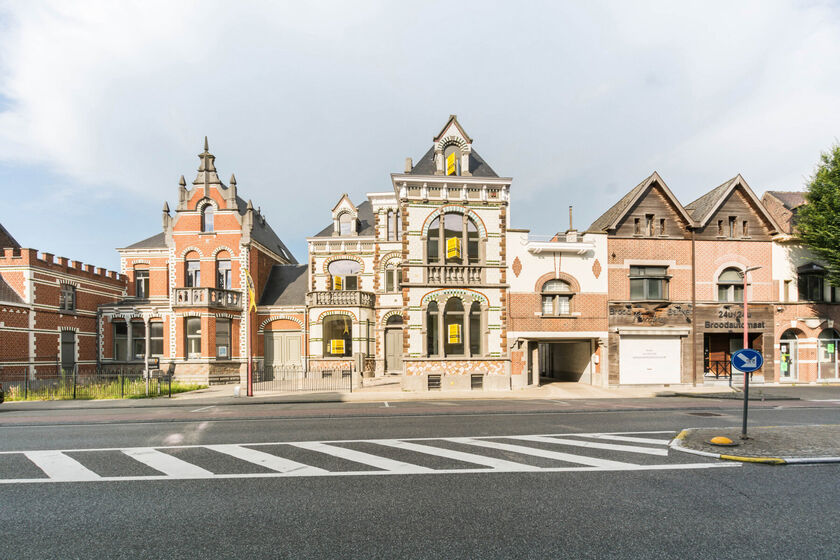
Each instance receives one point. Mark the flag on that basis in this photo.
(252, 299)
(454, 333)
(337, 282)
(453, 248)
(336, 346)
(450, 164)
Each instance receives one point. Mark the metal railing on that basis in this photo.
(81, 381)
(300, 379)
(454, 274)
(208, 297)
(341, 297)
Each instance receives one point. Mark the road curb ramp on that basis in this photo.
(768, 445)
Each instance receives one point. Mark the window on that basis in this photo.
(648, 282)
(720, 228)
(732, 226)
(393, 278)
(223, 338)
(453, 238)
(338, 336)
(392, 225)
(207, 214)
(452, 161)
(745, 231)
(811, 282)
(556, 298)
(453, 327)
(432, 332)
(730, 285)
(68, 349)
(192, 274)
(138, 340)
(345, 224)
(662, 226)
(141, 283)
(156, 339)
(649, 225)
(475, 329)
(67, 298)
(786, 291)
(637, 226)
(345, 274)
(121, 341)
(223, 277)
(192, 328)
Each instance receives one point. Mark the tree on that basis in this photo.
(818, 221)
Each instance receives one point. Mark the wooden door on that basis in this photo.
(393, 350)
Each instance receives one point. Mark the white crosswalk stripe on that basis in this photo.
(521, 451)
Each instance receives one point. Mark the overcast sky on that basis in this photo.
(104, 105)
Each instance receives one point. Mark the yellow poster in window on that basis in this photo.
(337, 282)
(455, 334)
(336, 346)
(450, 164)
(453, 248)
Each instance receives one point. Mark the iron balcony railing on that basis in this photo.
(353, 298)
(208, 297)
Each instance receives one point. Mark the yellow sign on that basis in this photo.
(337, 282)
(450, 164)
(455, 334)
(453, 248)
(252, 305)
(336, 346)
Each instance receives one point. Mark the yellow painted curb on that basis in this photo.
(765, 460)
(682, 434)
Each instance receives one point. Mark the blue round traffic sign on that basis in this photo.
(747, 360)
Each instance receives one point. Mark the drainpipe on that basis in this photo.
(693, 314)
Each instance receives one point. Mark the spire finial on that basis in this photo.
(165, 207)
(232, 179)
(250, 205)
(206, 145)
(182, 181)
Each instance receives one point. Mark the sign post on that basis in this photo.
(747, 357)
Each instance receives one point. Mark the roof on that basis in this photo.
(7, 293)
(790, 199)
(157, 241)
(367, 223)
(6, 239)
(287, 284)
(478, 167)
(610, 218)
(703, 206)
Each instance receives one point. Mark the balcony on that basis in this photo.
(344, 298)
(208, 297)
(454, 274)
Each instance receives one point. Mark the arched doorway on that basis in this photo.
(394, 344)
(828, 341)
(789, 356)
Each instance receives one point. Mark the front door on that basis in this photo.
(787, 359)
(393, 350)
(282, 354)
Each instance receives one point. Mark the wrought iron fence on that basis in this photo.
(300, 379)
(81, 381)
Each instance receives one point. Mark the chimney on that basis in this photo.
(409, 165)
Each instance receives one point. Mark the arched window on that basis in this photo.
(454, 238)
(432, 330)
(192, 270)
(453, 327)
(556, 298)
(476, 335)
(346, 224)
(337, 336)
(345, 274)
(207, 214)
(223, 272)
(393, 277)
(452, 160)
(730, 285)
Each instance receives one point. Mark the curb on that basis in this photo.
(677, 445)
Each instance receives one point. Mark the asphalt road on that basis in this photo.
(624, 499)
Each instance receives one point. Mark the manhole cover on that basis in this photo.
(704, 414)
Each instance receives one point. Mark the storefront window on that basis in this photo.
(338, 336)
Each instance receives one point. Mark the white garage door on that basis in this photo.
(649, 359)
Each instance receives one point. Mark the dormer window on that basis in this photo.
(452, 160)
(207, 218)
(346, 224)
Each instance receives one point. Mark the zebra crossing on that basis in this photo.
(541, 453)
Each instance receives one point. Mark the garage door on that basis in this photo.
(649, 359)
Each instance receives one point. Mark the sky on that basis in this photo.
(103, 105)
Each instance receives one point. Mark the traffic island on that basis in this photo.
(772, 445)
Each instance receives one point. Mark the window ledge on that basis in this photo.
(547, 316)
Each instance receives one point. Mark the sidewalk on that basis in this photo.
(774, 445)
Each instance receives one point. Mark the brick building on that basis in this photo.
(187, 287)
(48, 311)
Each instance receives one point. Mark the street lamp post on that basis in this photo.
(743, 275)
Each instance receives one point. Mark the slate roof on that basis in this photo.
(616, 210)
(367, 223)
(790, 199)
(287, 284)
(701, 207)
(157, 241)
(7, 293)
(478, 167)
(6, 239)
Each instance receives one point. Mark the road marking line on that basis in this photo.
(165, 463)
(203, 408)
(386, 404)
(629, 439)
(361, 457)
(823, 400)
(59, 466)
(567, 457)
(493, 463)
(267, 460)
(595, 445)
(627, 467)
